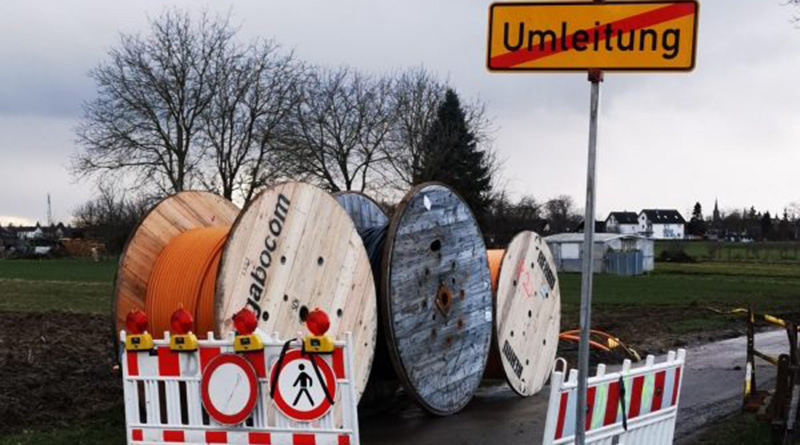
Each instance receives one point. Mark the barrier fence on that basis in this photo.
(632, 406)
(168, 399)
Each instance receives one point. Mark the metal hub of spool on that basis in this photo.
(527, 313)
(436, 298)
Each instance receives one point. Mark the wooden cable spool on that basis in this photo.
(292, 249)
(527, 313)
(436, 304)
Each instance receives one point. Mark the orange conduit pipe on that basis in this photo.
(495, 257)
(185, 275)
(494, 365)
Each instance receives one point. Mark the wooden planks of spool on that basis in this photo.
(527, 313)
(292, 249)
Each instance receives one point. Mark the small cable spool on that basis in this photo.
(527, 313)
(435, 298)
(291, 250)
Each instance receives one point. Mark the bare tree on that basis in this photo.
(416, 97)
(152, 93)
(111, 215)
(561, 214)
(341, 125)
(256, 91)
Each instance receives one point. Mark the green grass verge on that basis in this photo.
(67, 296)
(59, 270)
(763, 251)
(741, 429)
(689, 286)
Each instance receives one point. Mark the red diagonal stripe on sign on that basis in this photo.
(639, 21)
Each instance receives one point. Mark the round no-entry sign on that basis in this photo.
(299, 394)
(229, 389)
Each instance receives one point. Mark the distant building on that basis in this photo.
(613, 253)
(625, 223)
(661, 224)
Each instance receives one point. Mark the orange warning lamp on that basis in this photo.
(137, 338)
(245, 322)
(318, 323)
(181, 338)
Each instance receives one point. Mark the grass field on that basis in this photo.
(762, 251)
(61, 285)
(651, 312)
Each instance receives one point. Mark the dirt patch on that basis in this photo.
(55, 369)
(658, 329)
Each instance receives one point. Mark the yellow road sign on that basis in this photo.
(613, 35)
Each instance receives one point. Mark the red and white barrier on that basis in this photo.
(168, 399)
(633, 406)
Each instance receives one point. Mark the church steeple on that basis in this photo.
(716, 217)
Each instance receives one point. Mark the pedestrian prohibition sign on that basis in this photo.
(303, 392)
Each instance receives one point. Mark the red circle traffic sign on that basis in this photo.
(298, 392)
(229, 389)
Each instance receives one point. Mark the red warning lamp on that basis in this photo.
(181, 322)
(136, 322)
(318, 322)
(245, 322)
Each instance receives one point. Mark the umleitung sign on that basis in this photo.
(613, 35)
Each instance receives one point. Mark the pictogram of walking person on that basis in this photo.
(305, 381)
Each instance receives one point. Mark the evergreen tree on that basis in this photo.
(766, 226)
(450, 154)
(697, 225)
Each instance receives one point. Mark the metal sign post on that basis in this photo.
(587, 270)
(578, 36)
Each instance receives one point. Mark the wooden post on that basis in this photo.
(794, 386)
(750, 385)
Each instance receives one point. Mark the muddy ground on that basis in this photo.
(56, 369)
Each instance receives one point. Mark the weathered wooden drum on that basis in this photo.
(436, 303)
(527, 313)
(292, 249)
(372, 223)
(363, 210)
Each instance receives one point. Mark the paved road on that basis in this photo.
(496, 416)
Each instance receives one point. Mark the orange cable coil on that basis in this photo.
(185, 275)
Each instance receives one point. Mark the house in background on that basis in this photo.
(661, 224)
(625, 223)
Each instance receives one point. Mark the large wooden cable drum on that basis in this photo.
(291, 250)
(363, 210)
(436, 302)
(527, 313)
(169, 219)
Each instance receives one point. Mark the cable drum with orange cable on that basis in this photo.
(291, 250)
(527, 313)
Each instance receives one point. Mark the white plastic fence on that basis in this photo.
(163, 399)
(651, 395)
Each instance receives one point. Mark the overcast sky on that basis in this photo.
(730, 129)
